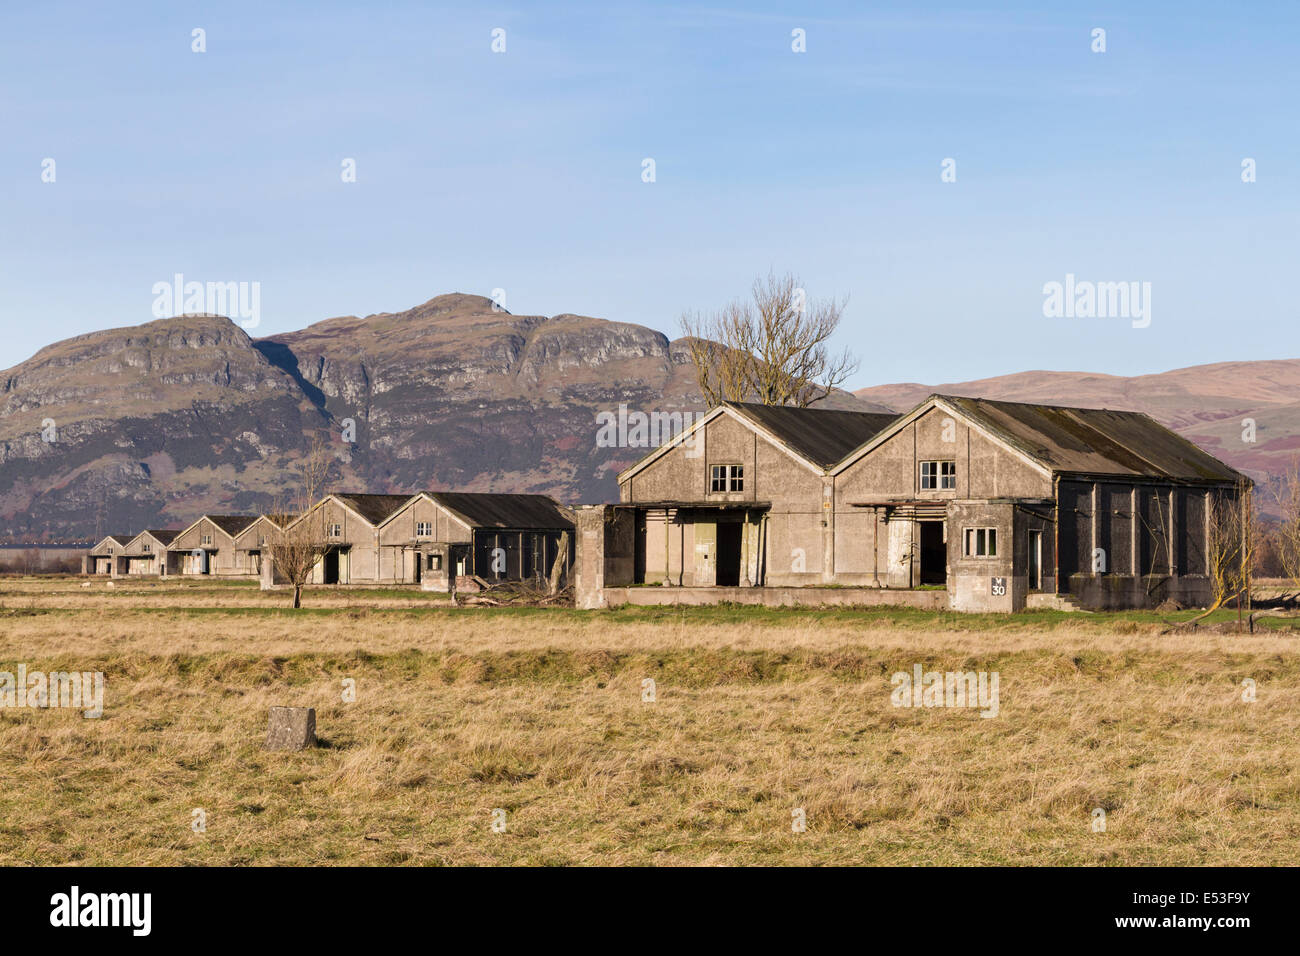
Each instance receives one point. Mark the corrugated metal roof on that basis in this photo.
(1095, 441)
(164, 536)
(231, 524)
(374, 508)
(516, 512)
(821, 435)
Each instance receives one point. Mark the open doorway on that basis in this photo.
(1035, 563)
(335, 566)
(728, 574)
(934, 553)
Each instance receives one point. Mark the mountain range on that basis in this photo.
(152, 425)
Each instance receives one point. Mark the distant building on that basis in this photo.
(146, 553)
(107, 555)
(445, 539)
(207, 547)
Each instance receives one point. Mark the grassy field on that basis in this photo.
(461, 712)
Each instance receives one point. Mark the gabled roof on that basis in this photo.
(1079, 441)
(821, 435)
(229, 525)
(121, 540)
(278, 521)
(163, 536)
(376, 509)
(818, 437)
(1096, 441)
(518, 512)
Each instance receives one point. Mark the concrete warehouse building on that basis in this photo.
(208, 547)
(962, 503)
(146, 553)
(107, 556)
(440, 540)
(444, 539)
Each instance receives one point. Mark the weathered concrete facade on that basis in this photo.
(207, 547)
(996, 504)
(439, 540)
(447, 541)
(147, 552)
(108, 556)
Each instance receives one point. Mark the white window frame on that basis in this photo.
(943, 477)
(424, 529)
(731, 476)
(335, 530)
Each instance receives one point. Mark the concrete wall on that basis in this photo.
(222, 559)
(773, 597)
(605, 542)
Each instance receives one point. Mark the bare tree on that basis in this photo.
(1230, 544)
(298, 542)
(1286, 535)
(774, 349)
(557, 568)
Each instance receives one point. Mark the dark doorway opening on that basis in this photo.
(332, 566)
(934, 553)
(728, 575)
(1035, 564)
(638, 550)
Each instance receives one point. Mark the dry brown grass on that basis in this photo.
(540, 713)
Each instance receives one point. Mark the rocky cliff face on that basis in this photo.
(152, 425)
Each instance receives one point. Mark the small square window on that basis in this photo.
(980, 543)
(336, 531)
(433, 562)
(724, 478)
(424, 529)
(941, 475)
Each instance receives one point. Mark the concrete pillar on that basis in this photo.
(589, 566)
(1135, 542)
(828, 531)
(1096, 532)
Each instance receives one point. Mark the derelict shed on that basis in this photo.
(255, 540)
(1135, 501)
(740, 498)
(106, 555)
(146, 553)
(446, 539)
(349, 524)
(208, 546)
(1008, 504)
(994, 505)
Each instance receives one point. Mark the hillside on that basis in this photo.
(160, 422)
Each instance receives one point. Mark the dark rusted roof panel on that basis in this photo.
(374, 508)
(164, 536)
(1096, 441)
(231, 524)
(822, 435)
(516, 512)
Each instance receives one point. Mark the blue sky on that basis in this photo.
(522, 170)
